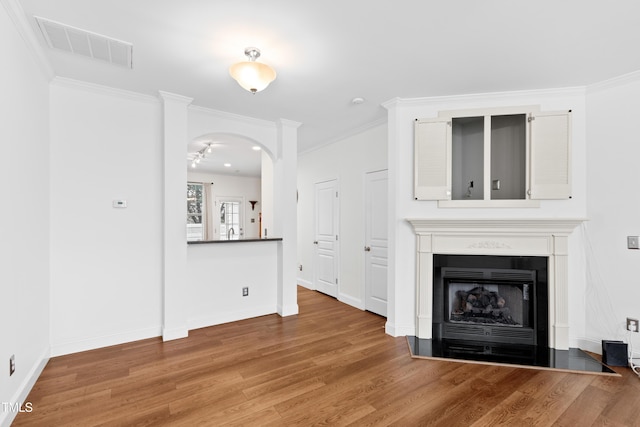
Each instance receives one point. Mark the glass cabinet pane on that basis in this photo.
(467, 152)
(508, 157)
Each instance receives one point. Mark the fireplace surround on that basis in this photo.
(546, 238)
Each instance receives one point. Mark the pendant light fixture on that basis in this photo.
(251, 75)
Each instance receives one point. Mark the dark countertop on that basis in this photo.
(266, 239)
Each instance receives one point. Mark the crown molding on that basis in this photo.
(103, 90)
(17, 16)
(289, 123)
(629, 78)
(233, 117)
(352, 132)
(487, 96)
(169, 96)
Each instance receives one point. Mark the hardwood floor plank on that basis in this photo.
(332, 365)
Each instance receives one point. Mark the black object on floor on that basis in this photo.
(615, 353)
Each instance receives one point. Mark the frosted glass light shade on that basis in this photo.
(252, 76)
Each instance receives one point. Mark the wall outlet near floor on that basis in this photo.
(632, 324)
(245, 291)
(12, 364)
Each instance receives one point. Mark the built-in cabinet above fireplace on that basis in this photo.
(493, 157)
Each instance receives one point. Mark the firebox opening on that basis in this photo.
(489, 303)
(491, 299)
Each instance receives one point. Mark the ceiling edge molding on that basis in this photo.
(103, 90)
(352, 132)
(486, 96)
(17, 16)
(289, 123)
(170, 96)
(233, 116)
(633, 77)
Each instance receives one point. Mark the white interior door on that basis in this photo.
(376, 242)
(325, 275)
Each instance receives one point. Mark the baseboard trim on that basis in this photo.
(289, 310)
(170, 334)
(76, 346)
(7, 417)
(399, 330)
(353, 302)
(221, 318)
(305, 283)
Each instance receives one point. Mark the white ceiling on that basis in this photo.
(328, 52)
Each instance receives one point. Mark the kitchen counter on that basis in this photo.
(266, 239)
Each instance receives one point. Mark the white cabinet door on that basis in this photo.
(550, 155)
(432, 159)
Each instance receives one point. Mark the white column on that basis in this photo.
(424, 297)
(285, 215)
(175, 131)
(560, 293)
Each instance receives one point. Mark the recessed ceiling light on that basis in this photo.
(256, 148)
(227, 165)
(357, 100)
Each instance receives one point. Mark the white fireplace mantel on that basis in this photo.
(509, 237)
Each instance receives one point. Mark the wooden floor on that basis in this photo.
(330, 365)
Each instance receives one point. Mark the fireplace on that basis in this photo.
(541, 241)
(492, 299)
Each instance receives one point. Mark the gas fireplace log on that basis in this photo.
(479, 305)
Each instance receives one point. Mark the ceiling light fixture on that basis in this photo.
(200, 154)
(251, 75)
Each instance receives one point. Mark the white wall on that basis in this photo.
(613, 271)
(347, 161)
(401, 319)
(24, 217)
(217, 272)
(248, 188)
(106, 263)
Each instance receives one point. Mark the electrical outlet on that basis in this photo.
(245, 291)
(12, 364)
(632, 242)
(632, 324)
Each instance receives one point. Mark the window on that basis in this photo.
(493, 157)
(195, 212)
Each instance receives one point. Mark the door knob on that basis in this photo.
(367, 249)
(315, 242)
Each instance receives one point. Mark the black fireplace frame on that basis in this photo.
(466, 268)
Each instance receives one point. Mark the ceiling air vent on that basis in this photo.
(85, 43)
